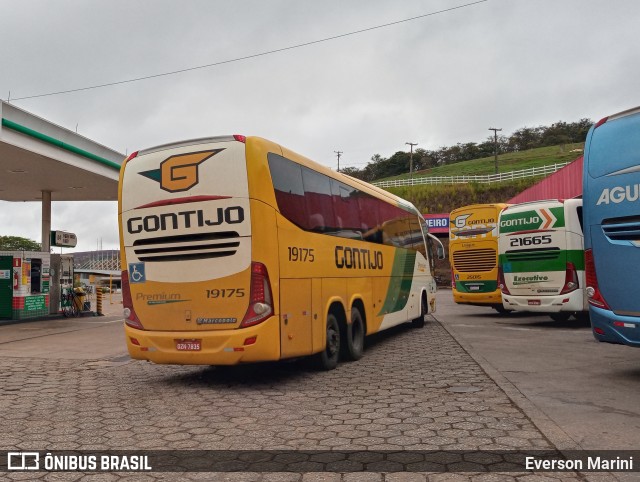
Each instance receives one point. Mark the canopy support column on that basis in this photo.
(46, 221)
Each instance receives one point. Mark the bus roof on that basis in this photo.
(189, 142)
(528, 204)
(480, 205)
(612, 145)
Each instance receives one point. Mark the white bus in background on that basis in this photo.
(541, 258)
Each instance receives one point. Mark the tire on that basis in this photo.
(355, 332)
(327, 359)
(560, 317)
(501, 309)
(419, 322)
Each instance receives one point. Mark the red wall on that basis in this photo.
(563, 184)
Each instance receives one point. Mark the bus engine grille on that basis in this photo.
(187, 247)
(474, 260)
(533, 254)
(622, 229)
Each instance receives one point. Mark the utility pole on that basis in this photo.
(411, 158)
(339, 153)
(495, 145)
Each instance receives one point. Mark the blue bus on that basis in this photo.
(611, 204)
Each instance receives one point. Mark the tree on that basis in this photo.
(353, 172)
(16, 243)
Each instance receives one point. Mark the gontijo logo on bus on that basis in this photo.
(544, 218)
(180, 173)
(463, 220)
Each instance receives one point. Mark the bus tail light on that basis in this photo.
(501, 282)
(260, 302)
(570, 279)
(594, 296)
(130, 317)
(453, 280)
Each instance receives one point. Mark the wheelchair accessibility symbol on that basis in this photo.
(136, 273)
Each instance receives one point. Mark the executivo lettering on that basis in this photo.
(619, 194)
(522, 280)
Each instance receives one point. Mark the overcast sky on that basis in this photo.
(436, 80)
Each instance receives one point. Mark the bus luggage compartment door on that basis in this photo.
(295, 317)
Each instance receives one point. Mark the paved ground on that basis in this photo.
(68, 385)
(582, 394)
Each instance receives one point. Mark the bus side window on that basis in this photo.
(432, 255)
(287, 183)
(417, 239)
(317, 196)
(345, 206)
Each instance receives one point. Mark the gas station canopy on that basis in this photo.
(41, 161)
(37, 156)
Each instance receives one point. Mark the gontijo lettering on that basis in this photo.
(185, 219)
(357, 258)
(520, 221)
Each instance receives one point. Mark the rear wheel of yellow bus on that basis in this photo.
(419, 322)
(328, 358)
(354, 346)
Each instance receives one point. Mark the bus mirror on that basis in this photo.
(440, 252)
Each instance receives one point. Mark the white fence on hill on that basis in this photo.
(485, 179)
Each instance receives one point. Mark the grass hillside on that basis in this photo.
(512, 161)
(444, 198)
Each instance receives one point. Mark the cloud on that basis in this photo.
(436, 81)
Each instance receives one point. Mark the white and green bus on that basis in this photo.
(541, 258)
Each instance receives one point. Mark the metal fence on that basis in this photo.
(484, 179)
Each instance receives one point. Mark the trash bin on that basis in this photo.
(79, 299)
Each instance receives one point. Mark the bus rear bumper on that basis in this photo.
(217, 347)
(611, 328)
(571, 302)
(481, 299)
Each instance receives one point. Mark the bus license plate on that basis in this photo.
(534, 302)
(188, 345)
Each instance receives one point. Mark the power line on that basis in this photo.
(252, 56)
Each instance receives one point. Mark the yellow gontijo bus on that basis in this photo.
(238, 250)
(473, 251)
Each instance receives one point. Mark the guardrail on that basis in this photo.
(483, 179)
